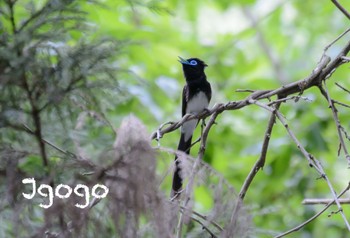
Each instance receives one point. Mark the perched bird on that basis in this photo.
(196, 96)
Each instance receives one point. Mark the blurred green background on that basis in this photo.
(247, 45)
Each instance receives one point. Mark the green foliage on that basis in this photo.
(75, 69)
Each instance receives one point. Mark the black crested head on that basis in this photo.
(193, 68)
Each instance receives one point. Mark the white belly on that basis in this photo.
(196, 105)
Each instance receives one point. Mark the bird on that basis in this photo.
(196, 95)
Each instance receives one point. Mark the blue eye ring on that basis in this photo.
(193, 62)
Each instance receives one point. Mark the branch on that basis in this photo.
(336, 39)
(340, 103)
(316, 76)
(182, 210)
(12, 15)
(346, 90)
(313, 217)
(204, 227)
(322, 71)
(259, 164)
(334, 64)
(314, 201)
(82, 161)
(36, 117)
(313, 162)
(324, 92)
(341, 8)
(35, 15)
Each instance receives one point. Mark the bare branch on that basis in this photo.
(259, 164)
(313, 217)
(324, 92)
(316, 76)
(341, 8)
(204, 227)
(343, 88)
(296, 98)
(341, 104)
(336, 39)
(316, 201)
(322, 71)
(313, 162)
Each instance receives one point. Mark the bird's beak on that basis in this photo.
(183, 61)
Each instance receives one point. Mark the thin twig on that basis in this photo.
(343, 88)
(11, 5)
(341, 8)
(316, 201)
(206, 219)
(259, 164)
(245, 91)
(340, 103)
(295, 97)
(47, 142)
(204, 227)
(334, 64)
(316, 165)
(345, 133)
(313, 162)
(308, 156)
(65, 152)
(340, 209)
(324, 92)
(203, 217)
(34, 16)
(313, 217)
(336, 39)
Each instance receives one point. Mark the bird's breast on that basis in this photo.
(197, 103)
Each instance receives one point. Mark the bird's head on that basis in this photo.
(193, 68)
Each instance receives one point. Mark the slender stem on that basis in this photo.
(315, 201)
(313, 217)
(259, 164)
(11, 5)
(324, 92)
(341, 8)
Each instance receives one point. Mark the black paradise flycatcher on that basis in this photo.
(196, 96)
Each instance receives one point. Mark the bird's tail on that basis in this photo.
(184, 146)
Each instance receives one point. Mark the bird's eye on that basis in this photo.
(193, 62)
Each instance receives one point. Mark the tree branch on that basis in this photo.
(315, 201)
(322, 71)
(324, 92)
(259, 164)
(341, 8)
(313, 217)
(316, 76)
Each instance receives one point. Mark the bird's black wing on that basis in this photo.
(209, 92)
(184, 99)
